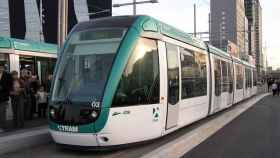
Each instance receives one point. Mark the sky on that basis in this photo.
(179, 13)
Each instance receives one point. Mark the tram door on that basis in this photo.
(218, 85)
(173, 85)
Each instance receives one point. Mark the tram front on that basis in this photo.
(80, 80)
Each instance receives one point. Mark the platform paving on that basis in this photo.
(254, 134)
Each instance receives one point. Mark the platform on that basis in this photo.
(254, 134)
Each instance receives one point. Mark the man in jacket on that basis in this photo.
(5, 88)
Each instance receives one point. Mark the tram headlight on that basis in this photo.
(94, 114)
(52, 113)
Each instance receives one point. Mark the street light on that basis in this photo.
(134, 3)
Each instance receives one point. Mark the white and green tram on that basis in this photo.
(128, 79)
(39, 58)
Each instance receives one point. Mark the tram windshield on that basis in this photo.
(85, 64)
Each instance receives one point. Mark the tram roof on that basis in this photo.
(148, 23)
(219, 52)
(27, 45)
(142, 23)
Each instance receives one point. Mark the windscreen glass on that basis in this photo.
(85, 65)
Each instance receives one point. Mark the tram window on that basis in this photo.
(254, 78)
(225, 82)
(239, 77)
(4, 58)
(85, 66)
(173, 73)
(248, 72)
(251, 83)
(248, 78)
(230, 77)
(139, 84)
(194, 73)
(217, 76)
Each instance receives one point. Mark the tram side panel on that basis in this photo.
(246, 83)
(227, 91)
(222, 90)
(247, 90)
(131, 122)
(239, 82)
(195, 79)
(216, 99)
(254, 88)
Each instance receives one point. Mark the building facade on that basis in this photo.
(254, 15)
(229, 23)
(22, 19)
(4, 18)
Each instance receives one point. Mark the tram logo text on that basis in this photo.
(67, 128)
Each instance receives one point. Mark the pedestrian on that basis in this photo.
(274, 88)
(24, 77)
(278, 87)
(42, 98)
(33, 85)
(5, 88)
(17, 100)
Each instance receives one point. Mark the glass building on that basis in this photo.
(4, 18)
(22, 19)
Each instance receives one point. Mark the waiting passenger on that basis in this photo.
(274, 88)
(42, 98)
(5, 88)
(33, 85)
(278, 87)
(17, 99)
(27, 98)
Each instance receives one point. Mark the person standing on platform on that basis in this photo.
(42, 98)
(278, 87)
(274, 88)
(24, 77)
(33, 85)
(17, 100)
(5, 88)
(269, 84)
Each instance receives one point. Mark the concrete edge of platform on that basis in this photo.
(26, 139)
(188, 141)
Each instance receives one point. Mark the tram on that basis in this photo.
(36, 57)
(127, 79)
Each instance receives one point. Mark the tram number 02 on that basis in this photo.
(95, 104)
